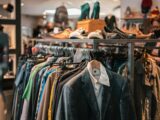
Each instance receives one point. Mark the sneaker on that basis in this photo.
(78, 34)
(96, 35)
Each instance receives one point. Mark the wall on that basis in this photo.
(28, 24)
(28, 21)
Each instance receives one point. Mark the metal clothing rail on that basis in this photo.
(95, 42)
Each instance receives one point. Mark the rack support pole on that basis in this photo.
(131, 65)
(95, 44)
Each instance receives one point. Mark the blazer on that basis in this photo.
(62, 81)
(78, 100)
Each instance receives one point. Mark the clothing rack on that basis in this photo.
(95, 42)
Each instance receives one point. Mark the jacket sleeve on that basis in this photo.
(67, 105)
(127, 109)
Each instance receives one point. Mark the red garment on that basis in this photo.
(147, 3)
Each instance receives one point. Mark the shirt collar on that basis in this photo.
(103, 79)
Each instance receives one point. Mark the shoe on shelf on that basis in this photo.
(113, 34)
(96, 11)
(96, 35)
(120, 33)
(78, 34)
(85, 10)
(123, 34)
(62, 35)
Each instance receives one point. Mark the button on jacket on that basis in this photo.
(78, 100)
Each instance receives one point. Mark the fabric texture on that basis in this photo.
(147, 89)
(78, 100)
(51, 96)
(98, 81)
(28, 90)
(65, 77)
(44, 105)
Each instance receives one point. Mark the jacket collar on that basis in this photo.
(88, 90)
(103, 78)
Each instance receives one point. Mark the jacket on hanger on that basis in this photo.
(78, 100)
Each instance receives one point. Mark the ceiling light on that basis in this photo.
(44, 13)
(22, 4)
(116, 0)
(44, 17)
(71, 12)
(50, 12)
(74, 11)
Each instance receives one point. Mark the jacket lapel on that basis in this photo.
(106, 95)
(90, 95)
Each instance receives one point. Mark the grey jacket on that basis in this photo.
(78, 100)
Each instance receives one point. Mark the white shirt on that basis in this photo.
(98, 82)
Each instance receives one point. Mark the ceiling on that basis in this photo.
(37, 7)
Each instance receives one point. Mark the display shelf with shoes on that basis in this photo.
(10, 19)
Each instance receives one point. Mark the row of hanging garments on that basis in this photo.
(58, 83)
(146, 86)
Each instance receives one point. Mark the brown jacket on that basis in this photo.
(147, 89)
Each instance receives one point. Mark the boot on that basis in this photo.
(85, 10)
(96, 11)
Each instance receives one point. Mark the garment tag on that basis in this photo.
(96, 72)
